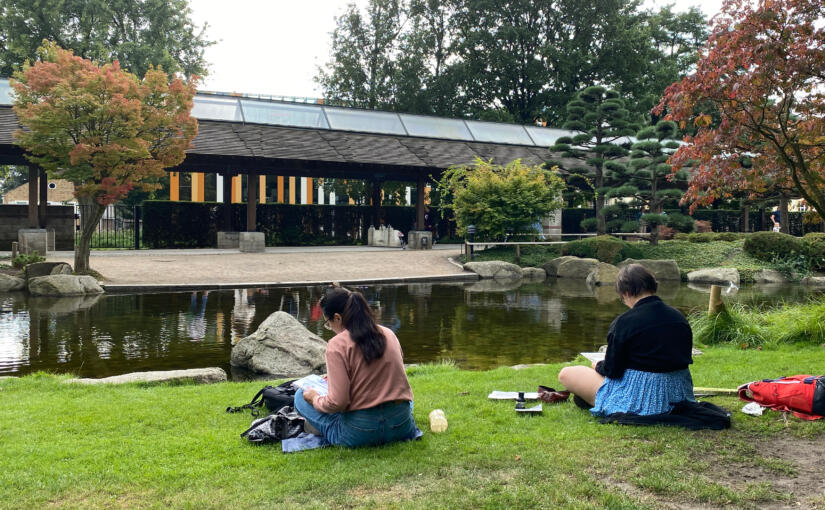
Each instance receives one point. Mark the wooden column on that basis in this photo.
(237, 189)
(309, 190)
(419, 203)
(376, 203)
(227, 201)
(44, 198)
(33, 173)
(292, 190)
(198, 187)
(251, 201)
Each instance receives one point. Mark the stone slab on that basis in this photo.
(32, 240)
(198, 375)
(251, 242)
(228, 240)
(420, 240)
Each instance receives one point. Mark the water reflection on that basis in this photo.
(479, 325)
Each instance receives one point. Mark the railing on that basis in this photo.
(120, 227)
(469, 245)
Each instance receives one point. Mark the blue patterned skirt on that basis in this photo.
(643, 393)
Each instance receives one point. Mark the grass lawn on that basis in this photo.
(134, 446)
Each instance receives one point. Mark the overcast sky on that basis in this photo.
(275, 46)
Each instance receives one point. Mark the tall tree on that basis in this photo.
(137, 33)
(101, 128)
(763, 70)
(11, 177)
(602, 120)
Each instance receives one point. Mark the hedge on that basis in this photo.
(604, 248)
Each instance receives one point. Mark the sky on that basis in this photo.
(276, 46)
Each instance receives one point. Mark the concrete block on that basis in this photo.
(251, 242)
(33, 239)
(420, 240)
(228, 240)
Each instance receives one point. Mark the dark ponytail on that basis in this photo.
(356, 318)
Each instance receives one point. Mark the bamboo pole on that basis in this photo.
(715, 304)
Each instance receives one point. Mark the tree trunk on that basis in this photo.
(784, 224)
(90, 214)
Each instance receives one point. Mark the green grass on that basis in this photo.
(742, 326)
(531, 256)
(137, 446)
(692, 256)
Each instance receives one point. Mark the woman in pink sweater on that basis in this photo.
(370, 399)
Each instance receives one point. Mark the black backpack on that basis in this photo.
(273, 397)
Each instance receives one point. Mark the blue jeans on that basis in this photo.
(381, 424)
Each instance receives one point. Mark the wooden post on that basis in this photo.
(44, 198)
(518, 253)
(14, 250)
(33, 220)
(251, 201)
(715, 304)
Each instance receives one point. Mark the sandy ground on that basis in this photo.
(319, 264)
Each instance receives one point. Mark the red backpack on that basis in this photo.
(803, 395)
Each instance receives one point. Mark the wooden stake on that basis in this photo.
(14, 250)
(715, 304)
(518, 253)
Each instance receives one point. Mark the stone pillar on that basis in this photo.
(251, 201)
(419, 203)
(44, 198)
(33, 219)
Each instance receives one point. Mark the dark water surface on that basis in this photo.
(479, 325)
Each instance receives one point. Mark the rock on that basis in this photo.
(814, 281)
(61, 269)
(281, 346)
(42, 269)
(63, 305)
(551, 268)
(535, 274)
(602, 348)
(494, 285)
(494, 269)
(11, 283)
(720, 275)
(662, 269)
(576, 268)
(198, 375)
(64, 285)
(769, 276)
(603, 274)
(528, 365)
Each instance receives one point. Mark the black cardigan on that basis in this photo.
(651, 337)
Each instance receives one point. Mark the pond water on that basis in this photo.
(478, 325)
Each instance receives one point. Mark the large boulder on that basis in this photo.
(719, 275)
(576, 268)
(494, 269)
(814, 281)
(11, 283)
(666, 269)
(551, 268)
(494, 285)
(37, 269)
(282, 347)
(64, 285)
(197, 375)
(62, 269)
(534, 274)
(769, 276)
(603, 274)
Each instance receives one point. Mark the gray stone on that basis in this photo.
(62, 269)
(534, 274)
(198, 375)
(576, 268)
(11, 283)
(720, 275)
(43, 269)
(494, 285)
(281, 346)
(420, 240)
(528, 365)
(494, 269)
(64, 285)
(551, 268)
(666, 269)
(228, 240)
(62, 305)
(814, 281)
(769, 276)
(603, 274)
(32, 240)
(696, 352)
(251, 242)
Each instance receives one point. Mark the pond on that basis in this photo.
(479, 325)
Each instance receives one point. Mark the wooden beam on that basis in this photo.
(251, 201)
(33, 219)
(44, 198)
(174, 186)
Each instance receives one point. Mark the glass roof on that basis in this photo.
(544, 136)
(285, 114)
(436, 127)
(5, 89)
(365, 120)
(217, 108)
(496, 132)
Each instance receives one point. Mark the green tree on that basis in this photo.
(647, 177)
(139, 34)
(603, 122)
(497, 199)
(101, 128)
(11, 177)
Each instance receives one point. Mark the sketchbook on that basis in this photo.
(593, 357)
(313, 381)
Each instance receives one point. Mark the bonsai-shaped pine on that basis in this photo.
(101, 128)
(648, 177)
(602, 121)
(499, 200)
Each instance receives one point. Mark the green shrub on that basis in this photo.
(772, 246)
(604, 248)
(814, 246)
(680, 222)
(24, 260)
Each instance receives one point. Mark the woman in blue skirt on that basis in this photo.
(645, 370)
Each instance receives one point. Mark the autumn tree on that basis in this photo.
(101, 128)
(763, 72)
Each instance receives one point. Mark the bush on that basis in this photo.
(773, 246)
(24, 259)
(709, 237)
(604, 248)
(680, 222)
(814, 246)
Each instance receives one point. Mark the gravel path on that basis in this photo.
(287, 265)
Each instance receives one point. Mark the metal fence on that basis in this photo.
(120, 227)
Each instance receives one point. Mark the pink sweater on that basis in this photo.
(353, 384)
